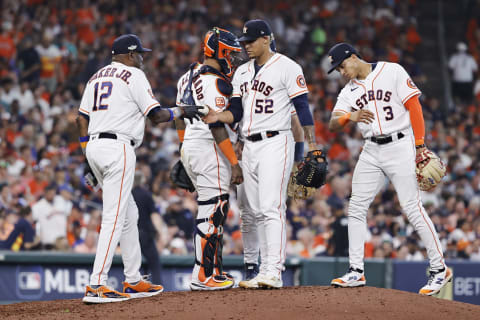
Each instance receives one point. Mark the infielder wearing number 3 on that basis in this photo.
(383, 101)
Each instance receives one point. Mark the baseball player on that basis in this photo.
(248, 225)
(208, 156)
(264, 90)
(383, 101)
(111, 121)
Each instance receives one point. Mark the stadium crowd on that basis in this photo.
(50, 48)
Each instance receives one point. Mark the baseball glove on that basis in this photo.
(429, 169)
(180, 178)
(310, 174)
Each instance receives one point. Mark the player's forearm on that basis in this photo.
(159, 115)
(82, 125)
(222, 139)
(225, 117)
(310, 137)
(335, 124)
(297, 131)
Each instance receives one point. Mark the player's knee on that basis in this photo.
(357, 209)
(248, 224)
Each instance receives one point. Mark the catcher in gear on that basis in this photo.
(382, 100)
(308, 176)
(208, 156)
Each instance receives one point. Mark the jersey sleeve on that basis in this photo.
(404, 84)
(342, 105)
(294, 80)
(142, 93)
(215, 95)
(179, 91)
(87, 102)
(236, 83)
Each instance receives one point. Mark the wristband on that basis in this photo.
(419, 142)
(298, 151)
(420, 146)
(83, 141)
(172, 116)
(175, 113)
(344, 119)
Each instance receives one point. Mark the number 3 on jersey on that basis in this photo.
(105, 92)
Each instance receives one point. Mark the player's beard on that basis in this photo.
(139, 61)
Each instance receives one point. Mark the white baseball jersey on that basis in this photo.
(384, 92)
(208, 90)
(117, 99)
(266, 96)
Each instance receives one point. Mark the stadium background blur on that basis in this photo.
(49, 49)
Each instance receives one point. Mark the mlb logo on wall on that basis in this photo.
(29, 282)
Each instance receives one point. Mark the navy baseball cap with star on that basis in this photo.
(340, 52)
(128, 43)
(254, 29)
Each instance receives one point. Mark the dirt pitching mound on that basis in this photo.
(287, 303)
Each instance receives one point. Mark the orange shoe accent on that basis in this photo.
(104, 294)
(213, 283)
(142, 289)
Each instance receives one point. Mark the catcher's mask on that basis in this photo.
(223, 46)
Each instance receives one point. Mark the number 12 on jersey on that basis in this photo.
(105, 92)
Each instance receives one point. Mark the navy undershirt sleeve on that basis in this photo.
(303, 110)
(236, 108)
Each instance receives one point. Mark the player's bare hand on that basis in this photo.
(362, 115)
(211, 116)
(238, 147)
(237, 174)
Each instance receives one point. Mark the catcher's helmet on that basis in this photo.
(222, 45)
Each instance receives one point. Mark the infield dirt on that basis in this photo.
(287, 303)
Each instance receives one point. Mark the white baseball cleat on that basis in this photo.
(436, 281)
(252, 283)
(353, 278)
(270, 282)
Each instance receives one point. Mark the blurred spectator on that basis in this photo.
(177, 246)
(22, 236)
(147, 213)
(464, 68)
(179, 220)
(338, 242)
(89, 245)
(29, 62)
(6, 228)
(50, 217)
(50, 56)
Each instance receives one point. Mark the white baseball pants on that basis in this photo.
(113, 163)
(395, 160)
(248, 226)
(266, 168)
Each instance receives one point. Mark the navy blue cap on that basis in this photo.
(128, 43)
(254, 29)
(340, 52)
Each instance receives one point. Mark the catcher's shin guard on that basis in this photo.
(209, 233)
